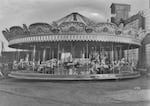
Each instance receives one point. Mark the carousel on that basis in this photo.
(74, 48)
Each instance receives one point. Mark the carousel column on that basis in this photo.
(44, 54)
(72, 50)
(120, 52)
(34, 51)
(72, 53)
(100, 51)
(134, 54)
(131, 54)
(39, 57)
(116, 54)
(113, 56)
(50, 53)
(95, 47)
(83, 52)
(27, 57)
(58, 49)
(87, 55)
(87, 50)
(128, 53)
(18, 55)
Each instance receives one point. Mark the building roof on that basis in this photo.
(146, 40)
(116, 4)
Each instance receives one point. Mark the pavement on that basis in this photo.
(132, 92)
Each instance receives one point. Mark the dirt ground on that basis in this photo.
(131, 92)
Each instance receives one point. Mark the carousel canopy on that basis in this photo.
(73, 27)
(75, 17)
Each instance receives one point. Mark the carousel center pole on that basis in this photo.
(18, 56)
(120, 52)
(128, 53)
(132, 55)
(50, 53)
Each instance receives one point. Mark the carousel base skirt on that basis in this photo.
(41, 76)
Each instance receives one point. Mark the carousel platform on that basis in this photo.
(50, 77)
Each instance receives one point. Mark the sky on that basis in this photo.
(19, 12)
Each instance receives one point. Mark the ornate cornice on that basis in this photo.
(55, 38)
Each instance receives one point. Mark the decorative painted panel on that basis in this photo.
(39, 28)
(72, 27)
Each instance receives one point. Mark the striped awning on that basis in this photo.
(102, 38)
